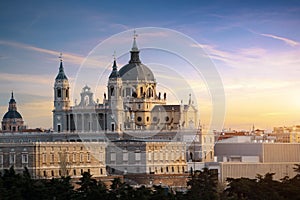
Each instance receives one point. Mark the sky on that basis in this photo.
(254, 46)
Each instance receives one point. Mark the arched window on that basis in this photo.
(67, 93)
(59, 92)
(112, 91)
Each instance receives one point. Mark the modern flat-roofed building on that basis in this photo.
(236, 160)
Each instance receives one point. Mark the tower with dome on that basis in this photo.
(12, 120)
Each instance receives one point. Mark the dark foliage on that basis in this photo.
(202, 185)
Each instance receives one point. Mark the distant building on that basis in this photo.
(146, 157)
(290, 134)
(12, 120)
(236, 160)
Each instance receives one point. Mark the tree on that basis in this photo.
(90, 188)
(203, 185)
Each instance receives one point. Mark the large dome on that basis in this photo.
(12, 114)
(136, 71)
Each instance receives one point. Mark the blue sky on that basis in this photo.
(255, 45)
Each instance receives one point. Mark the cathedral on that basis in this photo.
(131, 103)
(12, 120)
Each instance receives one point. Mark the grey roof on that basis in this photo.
(12, 114)
(136, 71)
(61, 74)
(114, 73)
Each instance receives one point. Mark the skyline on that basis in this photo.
(254, 46)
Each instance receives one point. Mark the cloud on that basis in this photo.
(286, 40)
(72, 58)
(27, 78)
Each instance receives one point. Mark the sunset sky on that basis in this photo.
(255, 46)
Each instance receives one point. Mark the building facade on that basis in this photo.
(55, 159)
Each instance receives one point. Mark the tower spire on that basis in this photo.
(115, 72)
(12, 94)
(61, 74)
(134, 45)
(135, 58)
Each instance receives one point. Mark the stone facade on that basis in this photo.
(55, 159)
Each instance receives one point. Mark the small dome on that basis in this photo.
(136, 71)
(12, 114)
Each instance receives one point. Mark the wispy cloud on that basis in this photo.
(286, 40)
(72, 58)
(27, 78)
(89, 62)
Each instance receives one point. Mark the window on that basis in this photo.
(74, 157)
(74, 172)
(149, 156)
(155, 155)
(167, 118)
(88, 157)
(24, 158)
(101, 171)
(12, 158)
(161, 155)
(137, 156)
(139, 119)
(52, 173)
(113, 156)
(101, 156)
(59, 92)
(125, 156)
(52, 158)
(67, 93)
(112, 93)
(1, 159)
(81, 158)
(44, 158)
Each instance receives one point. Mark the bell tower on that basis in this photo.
(114, 87)
(61, 99)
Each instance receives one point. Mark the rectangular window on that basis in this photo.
(12, 158)
(137, 156)
(167, 155)
(74, 157)
(161, 156)
(1, 159)
(113, 156)
(155, 155)
(81, 157)
(101, 156)
(24, 158)
(149, 156)
(44, 158)
(125, 156)
(52, 158)
(88, 157)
